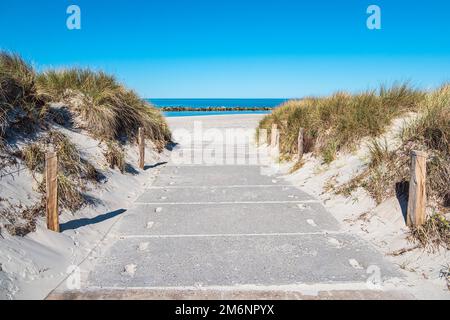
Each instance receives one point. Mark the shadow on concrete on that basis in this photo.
(79, 223)
(154, 165)
(130, 169)
(171, 145)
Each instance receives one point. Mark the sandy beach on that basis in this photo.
(168, 201)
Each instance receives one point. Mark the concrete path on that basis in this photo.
(230, 231)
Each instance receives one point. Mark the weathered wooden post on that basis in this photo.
(301, 133)
(51, 180)
(262, 137)
(417, 189)
(273, 135)
(141, 137)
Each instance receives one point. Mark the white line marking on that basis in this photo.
(290, 234)
(223, 187)
(225, 202)
(307, 289)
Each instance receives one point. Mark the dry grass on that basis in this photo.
(20, 104)
(115, 156)
(389, 169)
(431, 132)
(74, 171)
(19, 220)
(93, 100)
(340, 121)
(69, 159)
(69, 194)
(106, 108)
(433, 234)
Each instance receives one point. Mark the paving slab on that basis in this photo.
(202, 175)
(238, 260)
(163, 219)
(230, 231)
(223, 194)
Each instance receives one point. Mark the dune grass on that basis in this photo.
(20, 104)
(341, 120)
(433, 234)
(32, 103)
(106, 108)
(115, 156)
(388, 169)
(103, 106)
(74, 171)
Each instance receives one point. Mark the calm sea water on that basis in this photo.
(205, 103)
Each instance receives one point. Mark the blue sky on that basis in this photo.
(199, 48)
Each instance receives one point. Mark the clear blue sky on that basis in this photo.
(193, 48)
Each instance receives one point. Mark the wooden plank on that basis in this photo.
(417, 189)
(51, 178)
(301, 133)
(141, 135)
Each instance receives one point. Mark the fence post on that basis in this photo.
(51, 178)
(262, 137)
(273, 135)
(301, 133)
(141, 138)
(417, 189)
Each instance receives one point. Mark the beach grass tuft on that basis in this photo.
(340, 121)
(106, 108)
(115, 156)
(20, 104)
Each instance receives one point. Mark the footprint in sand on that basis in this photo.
(355, 264)
(143, 246)
(129, 270)
(335, 242)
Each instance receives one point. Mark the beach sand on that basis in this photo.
(34, 265)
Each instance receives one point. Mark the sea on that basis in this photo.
(206, 103)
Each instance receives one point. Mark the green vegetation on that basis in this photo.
(106, 108)
(340, 121)
(75, 171)
(388, 170)
(115, 156)
(20, 104)
(32, 103)
(433, 234)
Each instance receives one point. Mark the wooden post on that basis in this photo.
(141, 138)
(417, 189)
(51, 179)
(273, 135)
(301, 133)
(262, 137)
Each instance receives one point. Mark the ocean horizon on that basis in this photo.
(204, 103)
